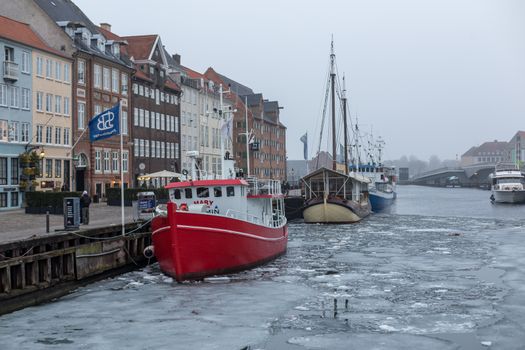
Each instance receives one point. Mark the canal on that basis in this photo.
(444, 269)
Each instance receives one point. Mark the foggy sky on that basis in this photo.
(429, 77)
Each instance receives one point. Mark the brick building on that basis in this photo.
(156, 109)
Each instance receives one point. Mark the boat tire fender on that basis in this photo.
(149, 252)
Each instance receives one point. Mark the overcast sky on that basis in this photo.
(429, 77)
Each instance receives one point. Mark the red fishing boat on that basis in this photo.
(217, 226)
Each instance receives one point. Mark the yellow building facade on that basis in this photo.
(52, 119)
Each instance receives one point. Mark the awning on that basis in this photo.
(160, 174)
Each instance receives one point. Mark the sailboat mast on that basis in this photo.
(332, 78)
(345, 126)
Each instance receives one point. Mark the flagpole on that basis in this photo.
(247, 137)
(121, 168)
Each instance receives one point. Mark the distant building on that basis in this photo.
(295, 170)
(517, 149)
(487, 153)
(404, 174)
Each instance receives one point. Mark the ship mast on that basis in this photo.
(332, 78)
(345, 125)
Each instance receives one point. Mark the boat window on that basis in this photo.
(176, 193)
(242, 191)
(217, 191)
(203, 192)
(230, 191)
(187, 193)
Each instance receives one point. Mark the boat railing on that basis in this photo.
(235, 214)
(258, 187)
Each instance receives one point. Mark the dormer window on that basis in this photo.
(151, 70)
(116, 49)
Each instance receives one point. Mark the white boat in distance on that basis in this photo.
(508, 184)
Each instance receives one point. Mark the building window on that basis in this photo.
(176, 150)
(14, 99)
(136, 148)
(58, 70)
(39, 129)
(39, 100)
(25, 62)
(58, 104)
(49, 68)
(146, 119)
(66, 136)
(3, 95)
(25, 98)
(141, 90)
(25, 132)
(58, 167)
(114, 80)
(13, 131)
(106, 161)
(141, 148)
(66, 73)
(49, 167)
(153, 148)
(97, 76)
(58, 135)
(146, 148)
(135, 116)
(14, 199)
(3, 200)
(15, 171)
(141, 117)
(39, 66)
(81, 115)
(106, 79)
(66, 106)
(49, 134)
(81, 72)
(162, 122)
(49, 103)
(124, 84)
(125, 161)
(124, 122)
(3, 171)
(115, 160)
(135, 88)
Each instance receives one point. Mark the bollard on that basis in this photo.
(47, 221)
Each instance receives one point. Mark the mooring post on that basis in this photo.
(47, 221)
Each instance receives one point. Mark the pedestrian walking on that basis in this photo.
(85, 201)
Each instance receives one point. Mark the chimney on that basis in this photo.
(176, 58)
(106, 26)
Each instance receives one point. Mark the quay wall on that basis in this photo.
(40, 269)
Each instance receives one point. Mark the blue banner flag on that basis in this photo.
(304, 140)
(105, 125)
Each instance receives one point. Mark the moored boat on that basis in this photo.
(382, 190)
(333, 197)
(508, 184)
(216, 226)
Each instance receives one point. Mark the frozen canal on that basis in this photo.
(444, 270)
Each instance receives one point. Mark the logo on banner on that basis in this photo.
(105, 121)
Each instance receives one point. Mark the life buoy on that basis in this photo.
(184, 172)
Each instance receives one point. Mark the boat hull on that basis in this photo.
(509, 196)
(381, 200)
(334, 211)
(195, 245)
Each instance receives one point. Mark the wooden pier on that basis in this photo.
(40, 269)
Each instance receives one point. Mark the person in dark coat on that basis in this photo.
(85, 201)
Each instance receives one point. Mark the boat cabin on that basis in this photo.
(324, 183)
(252, 200)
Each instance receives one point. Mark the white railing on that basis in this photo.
(261, 187)
(243, 216)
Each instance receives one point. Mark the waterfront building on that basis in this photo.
(491, 152)
(16, 44)
(52, 125)
(156, 110)
(517, 149)
(267, 148)
(100, 80)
